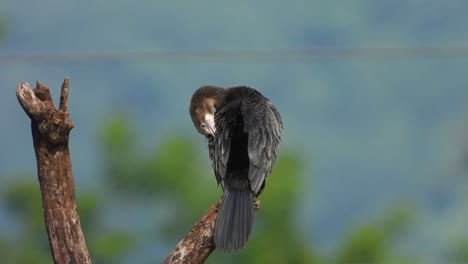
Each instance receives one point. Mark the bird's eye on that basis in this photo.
(203, 125)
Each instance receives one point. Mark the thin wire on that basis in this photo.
(235, 55)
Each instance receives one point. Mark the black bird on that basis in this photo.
(243, 130)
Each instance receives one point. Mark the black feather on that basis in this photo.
(243, 151)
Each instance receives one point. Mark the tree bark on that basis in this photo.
(50, 131)
(198, 244)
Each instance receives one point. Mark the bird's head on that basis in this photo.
(205, 101)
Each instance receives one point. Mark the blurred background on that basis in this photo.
(374, 96)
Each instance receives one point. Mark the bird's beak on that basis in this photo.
(210, 124)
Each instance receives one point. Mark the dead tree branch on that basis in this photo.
(198, 244)
(50, 130)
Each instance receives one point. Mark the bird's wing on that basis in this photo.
(211, 151)
(263, 124)
(221, 145)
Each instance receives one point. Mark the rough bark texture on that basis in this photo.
(50, 130)
(198, 244)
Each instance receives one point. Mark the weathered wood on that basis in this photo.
(50, 130)
(198, 244)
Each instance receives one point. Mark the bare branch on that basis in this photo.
(50, 131)
(198, 244)
(64, 95)
(33, 107)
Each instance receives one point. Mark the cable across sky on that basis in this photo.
(248, 56)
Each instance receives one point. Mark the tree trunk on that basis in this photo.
(50, 130)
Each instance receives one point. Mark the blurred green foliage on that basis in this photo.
(3, 29)
(177, 178)
(460, 251)
(372, 243)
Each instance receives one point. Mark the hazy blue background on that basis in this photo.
(375, 130)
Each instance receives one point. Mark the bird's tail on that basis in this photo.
(235, 219)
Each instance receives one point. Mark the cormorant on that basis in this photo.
(243, 130)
